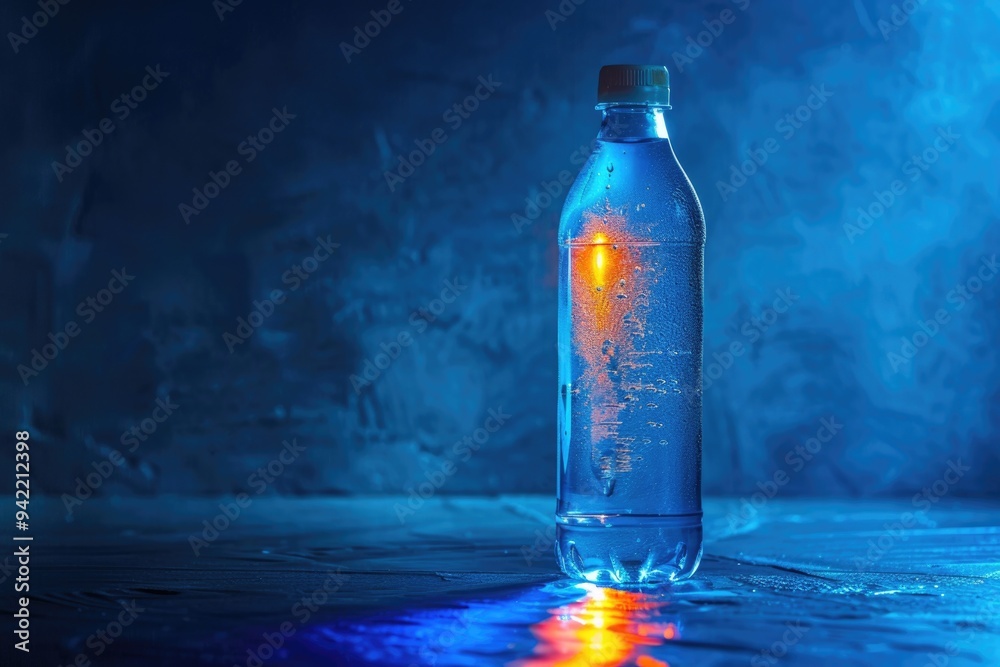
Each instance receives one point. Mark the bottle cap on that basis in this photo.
(647, 85)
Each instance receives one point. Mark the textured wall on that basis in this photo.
(431, 261)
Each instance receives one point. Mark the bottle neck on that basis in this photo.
(632, 123)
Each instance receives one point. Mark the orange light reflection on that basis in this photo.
(605, 628)
(600, 259)
(604, 273)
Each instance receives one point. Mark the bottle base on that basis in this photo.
(629, 550)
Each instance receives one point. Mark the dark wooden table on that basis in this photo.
(472, 581)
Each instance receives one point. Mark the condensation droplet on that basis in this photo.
(622, 296)
(611, 167)
(663, 442)
(600, 289)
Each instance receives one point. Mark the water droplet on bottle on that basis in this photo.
(611, 167)
(614, 246)
(621, 283)
(606, 347)
(609, 486)
(622, 296)
(600, 289)
(607, 187)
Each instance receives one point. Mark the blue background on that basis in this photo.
(894, 80)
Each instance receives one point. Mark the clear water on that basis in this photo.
(630, 331)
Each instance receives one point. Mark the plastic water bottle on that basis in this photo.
(631, 257)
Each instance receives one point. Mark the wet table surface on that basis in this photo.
(473, 581)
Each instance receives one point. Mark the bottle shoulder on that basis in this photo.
(634, 191)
